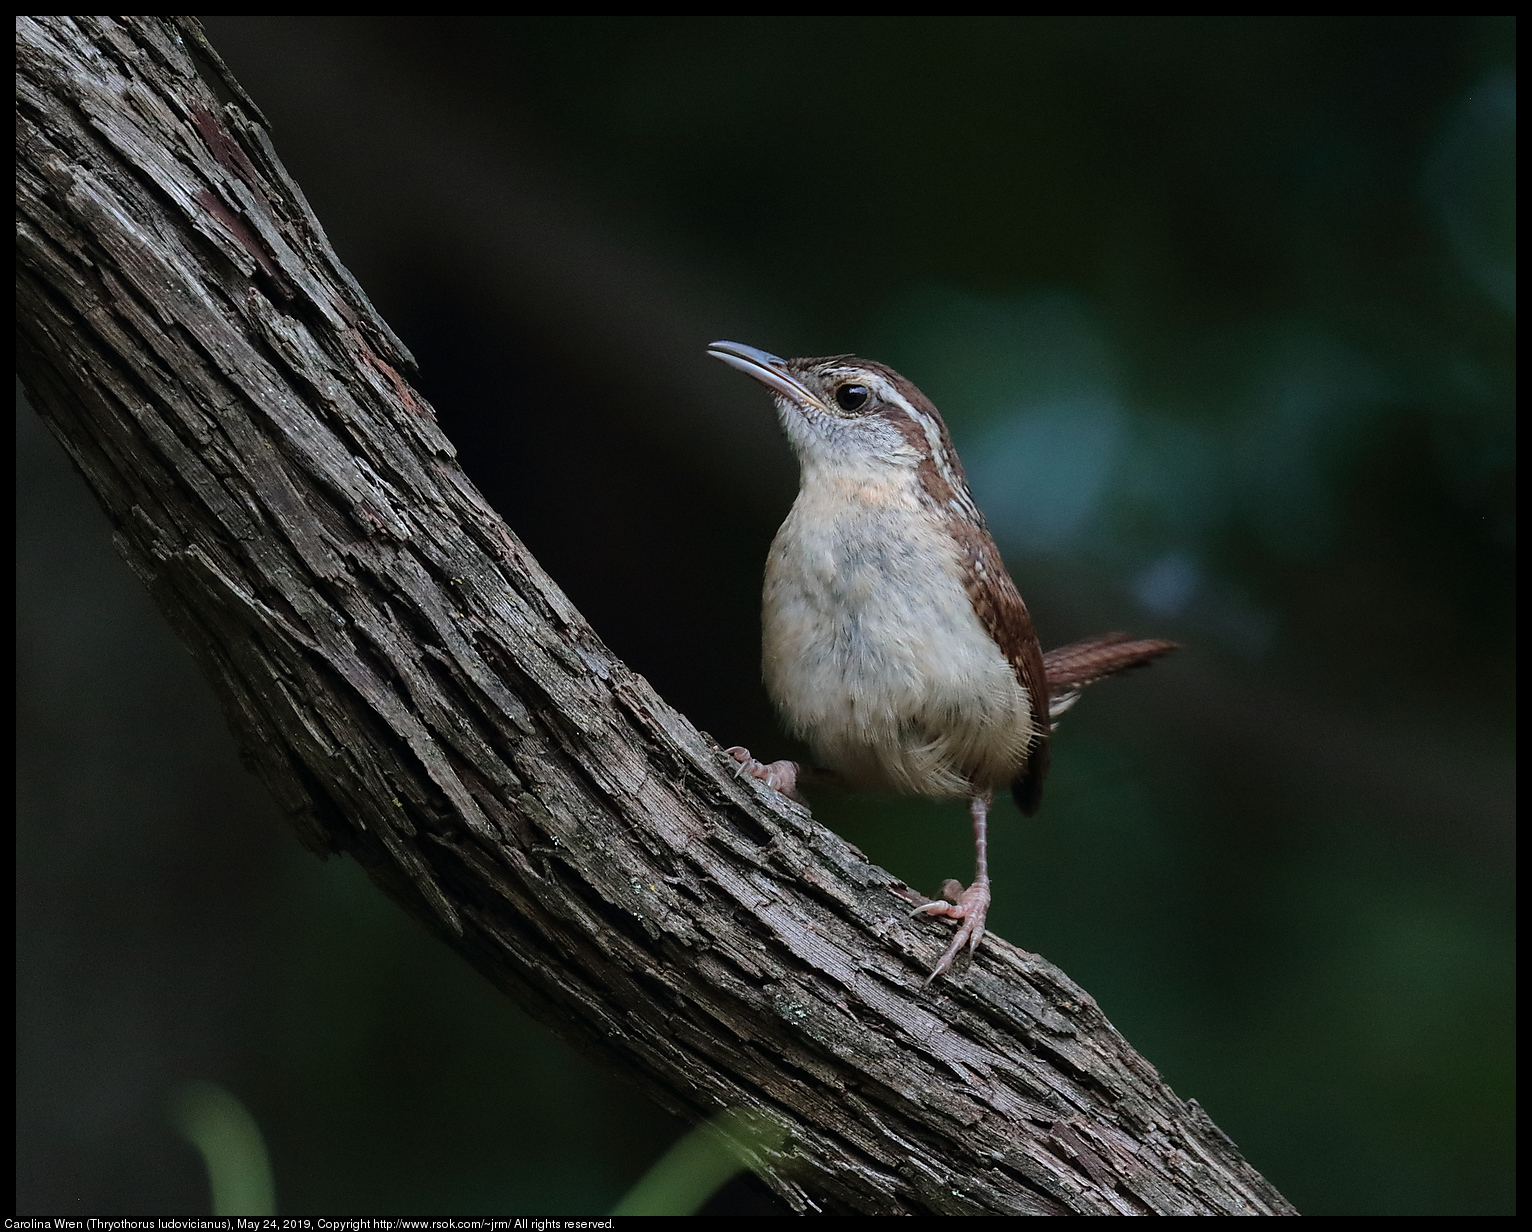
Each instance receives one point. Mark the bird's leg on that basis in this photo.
(783, 775)
(969, 906)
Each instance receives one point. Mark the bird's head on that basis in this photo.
(855, 415)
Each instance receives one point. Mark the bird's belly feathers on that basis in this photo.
(873, 654)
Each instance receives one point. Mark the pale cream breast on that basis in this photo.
(872, 650)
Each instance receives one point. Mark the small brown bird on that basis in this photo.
(893, 640)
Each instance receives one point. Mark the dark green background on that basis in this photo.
(1221, 314)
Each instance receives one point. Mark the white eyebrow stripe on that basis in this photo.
(962, 498)
(933, 433)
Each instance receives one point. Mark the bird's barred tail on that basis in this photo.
(1082, 663)
(1068, 670)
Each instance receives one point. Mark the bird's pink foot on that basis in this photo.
(968, 907)
(782, 775)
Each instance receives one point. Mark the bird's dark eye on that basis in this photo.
(851, 397)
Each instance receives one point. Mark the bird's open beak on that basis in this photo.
(764, 367)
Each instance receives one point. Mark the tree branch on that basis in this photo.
(418, 694)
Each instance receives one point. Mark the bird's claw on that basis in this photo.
(952, 891)
(969, 907)
(780, 775)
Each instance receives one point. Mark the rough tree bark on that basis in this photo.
(419, 695)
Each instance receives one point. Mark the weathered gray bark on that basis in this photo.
(419, 695)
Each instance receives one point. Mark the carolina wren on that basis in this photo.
(893, 640)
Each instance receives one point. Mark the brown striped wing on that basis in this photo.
(999, 607)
